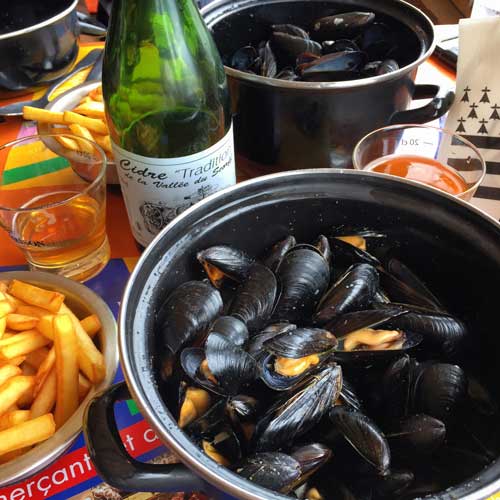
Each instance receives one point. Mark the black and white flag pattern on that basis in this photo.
(475, 115)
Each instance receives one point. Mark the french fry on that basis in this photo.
(96, 94)
(90, 359)
(67, 142)
(27, 369)
(42, 115)
(20, 322)
(44, 370)
(12, 455)
(4, 285)
(104, 141)
(27, 433)
(85, 133)
(46, 398)
(66, 347)
(7, 372)
(91, 324)
(46, 326)
(36, 312)
(31, 342)
(12, 390)
(6, 307)
(35, 358)
(84, 387)
(3, 325)
(13, 418)
(35, 296)
(93, 124)
(94, 109)
(14, 361)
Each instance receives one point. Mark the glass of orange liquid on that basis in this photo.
(53, 203)
(425, 154)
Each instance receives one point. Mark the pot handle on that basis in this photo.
(441, 102)
(115, 465)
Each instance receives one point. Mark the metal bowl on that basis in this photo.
(65, 102)
(82, 301)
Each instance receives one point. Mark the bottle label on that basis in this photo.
(156, 190)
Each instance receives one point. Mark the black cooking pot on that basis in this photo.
(38, 43)
(289, 125)
(452, 245)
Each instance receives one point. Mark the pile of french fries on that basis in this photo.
(48, 364)
(86, 120)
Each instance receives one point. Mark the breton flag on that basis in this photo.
(475, 114)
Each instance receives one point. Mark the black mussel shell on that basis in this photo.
(311, 457)
(222, 260)
(301, 342)
(371, 68)
(290, 29)
(378, 41)
(414, 291)
(210, 423)
(323, 245)
(441, 388)
(353, 290)
(364, 435)
(387, 66)
(245, 59)
(278, 251)
(226, 443)
(290, 75)
(341, 25)
(393, 484)
(301, 411)
(304, 275)
(349, 397)
(254, 299)
(255, 346)
(342, 45)
(292, 46)
(273, 470)
(334, 67)
(269, 66)
(416, 434)
(357, 320)
(186, 313)
(352, 253)
(191, 359)
(232, 366)
(232, 328)
(438, 329)
(242, 408)
(305, 58)
(275, 380)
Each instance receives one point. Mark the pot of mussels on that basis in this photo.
(309, 78)
(315, 334)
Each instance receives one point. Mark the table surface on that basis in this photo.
(109, 284)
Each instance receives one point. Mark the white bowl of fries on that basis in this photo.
(58, 347)
(79, 111)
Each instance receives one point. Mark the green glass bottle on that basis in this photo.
(168, 110)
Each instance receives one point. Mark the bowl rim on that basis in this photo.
(342, 85)
(47, 452)
(168, 431)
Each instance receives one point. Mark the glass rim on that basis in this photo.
(466, 142)
(94, 183)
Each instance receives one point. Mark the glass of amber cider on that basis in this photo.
(53, 203)
(425, 154)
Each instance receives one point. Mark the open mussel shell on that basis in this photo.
(417, 434)
(341, 25)
(231, 365)
(209, 424)
(301, 342)
(291, 46)
(255, 298)
(299, 412)
(311, 457)
(273, 470)
(353, 290)
(352, 253)
(304, 275)
(441, 388)
(364, 436)
(278, 251)
(438, 329)
(191, 359)
(246, 59)
(193, 403)
(341, 45)
(323, 245)
(184, 315)
(337, 66)
(232, 328)
(269, 65)
(255, 347)
(290, 29)
(221, 261)
(242, 408)
(226, 443)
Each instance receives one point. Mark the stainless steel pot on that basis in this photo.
(452, 245)
(288, 125)
(38, 43)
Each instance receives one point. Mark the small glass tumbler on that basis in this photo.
(53, 203)
(428, 155)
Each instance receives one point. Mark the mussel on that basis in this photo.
(342, 25)
(278, 251)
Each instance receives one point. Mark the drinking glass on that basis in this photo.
(429, 155)
(53, 203)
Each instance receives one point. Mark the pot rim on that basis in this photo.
(42, 24)
(344, 85)
(168, 431)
